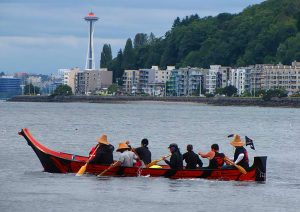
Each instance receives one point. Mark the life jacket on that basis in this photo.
(217, 162)
(138, 164)
(219, 157)
(245, 161)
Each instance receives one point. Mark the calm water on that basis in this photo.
(25, 187)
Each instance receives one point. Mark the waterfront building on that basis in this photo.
(217, 77)
(172, 84)
(130, 81)
(240, 78)
(146, 76)
(69, 78)
(90, 63)
(162, 76)
(256, 77)
(9, 87)
(91, 81)
(186, 82)
(282, 77)
(156, 86)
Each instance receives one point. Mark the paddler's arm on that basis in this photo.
(208, 155)
(240, 157)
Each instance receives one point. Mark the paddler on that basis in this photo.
(126, 157)
(176, 160)
(240, 153)
(104, 153)
(191, 158)
(216, 159)
(144, 152)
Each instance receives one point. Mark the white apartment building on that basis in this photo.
(69, 78)
(213, 78)
(162, 76)
(217, 77)
(130, 80)
(240, 78)
(281, 76)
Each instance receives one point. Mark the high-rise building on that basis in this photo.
(90, 63)
(9, 87)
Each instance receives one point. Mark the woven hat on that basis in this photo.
(103, 139)
(122, 146)
(237, 141)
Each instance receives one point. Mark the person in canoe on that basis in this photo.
(216, 159)
(191, 158)
(176, 160)
(240, 153)
(126, 157)
(102, 153)
(143, 151)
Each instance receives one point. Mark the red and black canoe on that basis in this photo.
(59, 162)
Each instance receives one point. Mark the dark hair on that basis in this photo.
(189, 147)
(215, 147)
(145, 142)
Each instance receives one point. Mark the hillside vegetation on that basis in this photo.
(265, 33)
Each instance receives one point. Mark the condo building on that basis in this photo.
(281, 77)
(217, 77)
(91, 81)
(130, 80)
(241, 78)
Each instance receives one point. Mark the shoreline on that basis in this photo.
(217, 101)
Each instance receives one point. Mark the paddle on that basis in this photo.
(241, 169)
(83, 168)
(110, 167)
(156, 161)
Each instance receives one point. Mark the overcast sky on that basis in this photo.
(42, 36)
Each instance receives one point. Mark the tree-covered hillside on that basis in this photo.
(265, 33)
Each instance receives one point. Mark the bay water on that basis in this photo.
(73, 128)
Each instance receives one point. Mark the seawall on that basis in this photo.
(221, 101)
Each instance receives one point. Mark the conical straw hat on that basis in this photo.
(122, 146)
(103, 139)
(237, 141)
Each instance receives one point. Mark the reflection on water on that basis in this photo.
(74, 127)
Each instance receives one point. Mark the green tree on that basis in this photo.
(151, 38)
(279, 93)
(140, 39)
(289, 50)
(113, 89)
(229, 90)
(2, 74)
(116, 66)
(128, 56)
(30, 89)
(106, 56)
(63, 90)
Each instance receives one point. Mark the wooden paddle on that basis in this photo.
(241, 169)
(83, 168)
(110, 167)
(156, 161)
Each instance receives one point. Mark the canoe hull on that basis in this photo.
(58, 162)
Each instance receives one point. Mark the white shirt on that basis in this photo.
(126, 158)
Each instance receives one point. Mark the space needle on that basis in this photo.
(90, 63)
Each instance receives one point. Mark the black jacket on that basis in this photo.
(104, 155)
(176, 161)
(144, 154)
(192, 160)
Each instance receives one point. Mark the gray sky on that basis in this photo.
(41, 36)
